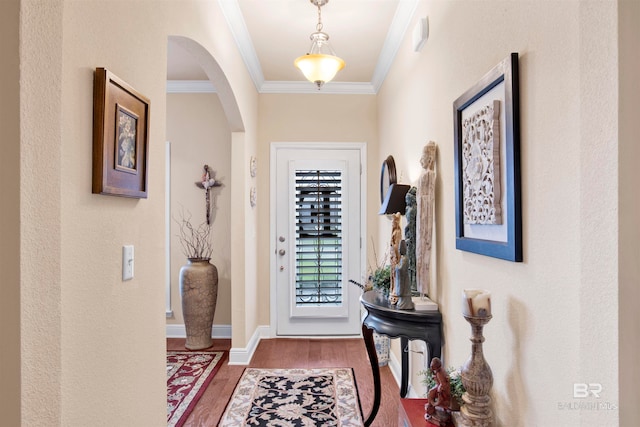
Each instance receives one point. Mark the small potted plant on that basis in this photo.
(380, 279)
(380, 276)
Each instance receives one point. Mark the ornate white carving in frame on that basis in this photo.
(481, 166)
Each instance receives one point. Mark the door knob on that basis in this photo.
(282, 252)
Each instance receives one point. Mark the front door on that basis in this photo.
(318, 229)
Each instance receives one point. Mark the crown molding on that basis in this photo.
(235, 20)
(397, 30)
(238, 27)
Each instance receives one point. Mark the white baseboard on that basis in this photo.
(178, 331)
(242, 356)
(237, 356)
(396, 367)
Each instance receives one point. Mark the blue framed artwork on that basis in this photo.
(487, 165)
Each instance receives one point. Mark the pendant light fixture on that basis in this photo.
(321, 64)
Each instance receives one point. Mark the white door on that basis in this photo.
(317, 238)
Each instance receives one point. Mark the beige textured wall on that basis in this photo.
(311, 118)
(90, 342)
(42, 281)
(629, 230)
(555, 314)
(599, 350)
(199, 134)
(10, 213)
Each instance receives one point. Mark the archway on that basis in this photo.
(222, 125)
(217, 78)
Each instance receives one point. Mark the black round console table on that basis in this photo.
(385, 319)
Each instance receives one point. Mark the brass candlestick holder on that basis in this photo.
(477, 379)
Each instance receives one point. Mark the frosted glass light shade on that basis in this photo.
(320, 64)
(319, 68)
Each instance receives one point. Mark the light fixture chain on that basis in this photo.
(319, 25)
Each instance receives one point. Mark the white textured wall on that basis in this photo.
(199, 134)
(554, 315)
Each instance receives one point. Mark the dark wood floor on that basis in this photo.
(296, 353)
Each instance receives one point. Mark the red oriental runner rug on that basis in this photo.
(188, 375)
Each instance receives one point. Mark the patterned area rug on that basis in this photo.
(294, 397)
(188, 375)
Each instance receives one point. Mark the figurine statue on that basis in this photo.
(403, 284)
(394, 253)
(424, 226)
(438, 407)
(410, 235)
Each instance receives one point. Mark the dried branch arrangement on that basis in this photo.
(195, 241)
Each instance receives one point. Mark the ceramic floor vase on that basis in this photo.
(383, 347)
(199, 292)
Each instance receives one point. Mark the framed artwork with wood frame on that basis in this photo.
(487, 164)
(120, 137)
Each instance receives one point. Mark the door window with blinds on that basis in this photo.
(318, 238)
(318, 251)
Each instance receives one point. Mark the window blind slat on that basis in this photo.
(318, 237)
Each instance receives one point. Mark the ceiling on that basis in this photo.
(270, 34)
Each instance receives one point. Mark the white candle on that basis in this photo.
(476, 303)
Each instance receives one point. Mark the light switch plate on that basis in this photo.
(127, 262)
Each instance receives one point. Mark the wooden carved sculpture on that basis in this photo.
(426, 212)
(394, 251)
(438, 407)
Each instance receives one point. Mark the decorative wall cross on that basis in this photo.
(206, 183)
